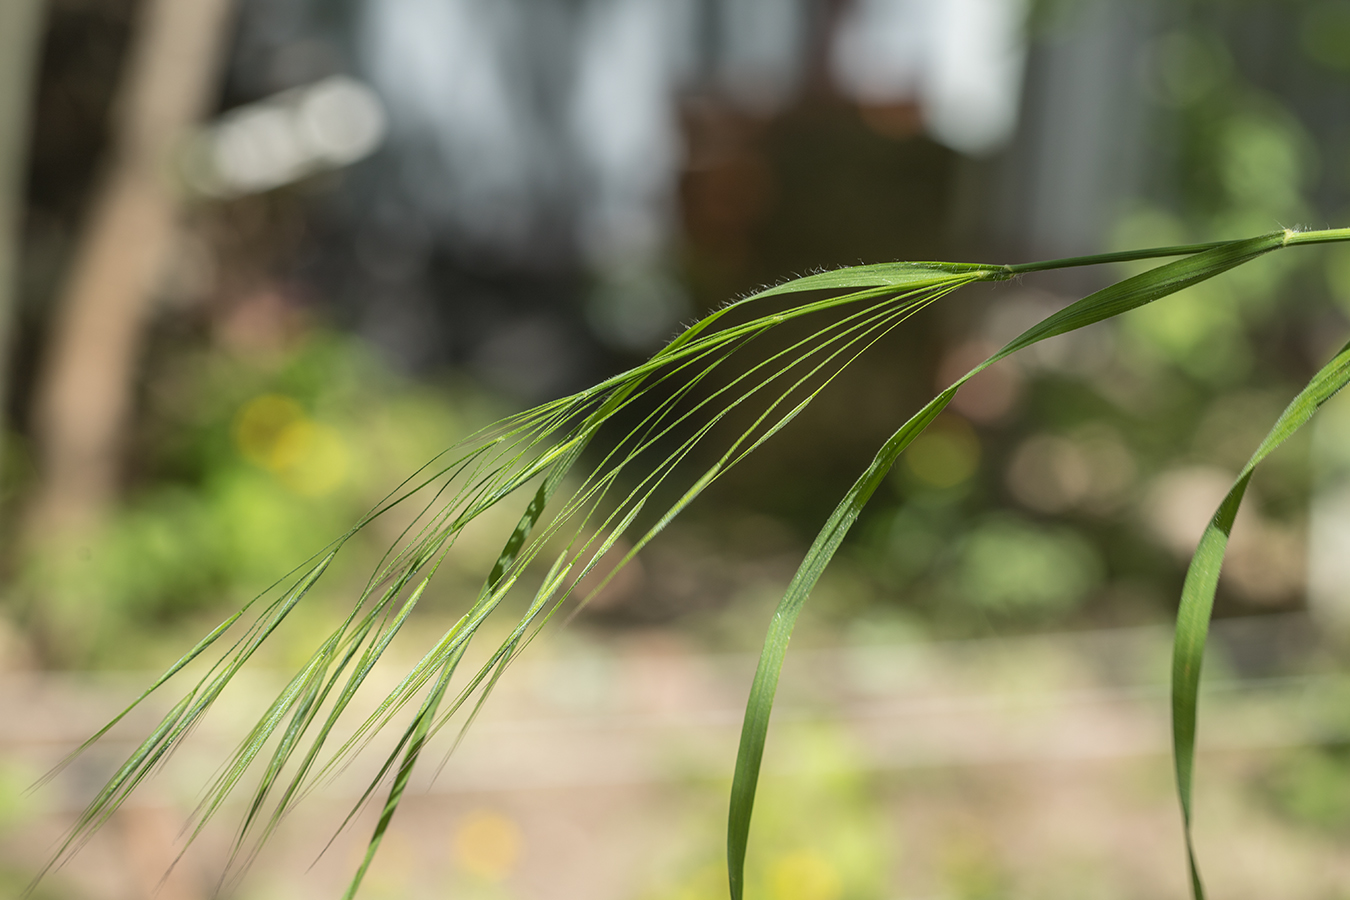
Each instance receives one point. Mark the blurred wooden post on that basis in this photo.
(85, 390)
(20, 36)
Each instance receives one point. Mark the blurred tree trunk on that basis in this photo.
(20, 35)
(85, 389)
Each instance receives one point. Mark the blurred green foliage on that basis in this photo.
(253, 465)
(1311, 786)
(821, 832)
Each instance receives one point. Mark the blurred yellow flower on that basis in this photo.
(273, 432)
(487, 844)
(803, 875)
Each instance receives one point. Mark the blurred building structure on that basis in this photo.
(527, 205)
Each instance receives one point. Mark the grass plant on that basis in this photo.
(618, 459)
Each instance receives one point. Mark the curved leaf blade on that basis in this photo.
(1202, 581)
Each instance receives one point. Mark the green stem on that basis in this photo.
(1122, 256)
(1324, 236)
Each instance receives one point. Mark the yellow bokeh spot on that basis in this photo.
(803, 876)
(259, 424)
(487, 844)
(310, 458)
(946, 454)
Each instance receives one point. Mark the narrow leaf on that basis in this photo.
(1202, 580)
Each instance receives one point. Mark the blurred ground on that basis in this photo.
(1031, 767)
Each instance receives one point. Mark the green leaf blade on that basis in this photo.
(1201, 585)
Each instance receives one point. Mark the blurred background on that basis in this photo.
(261, 259)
